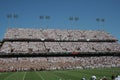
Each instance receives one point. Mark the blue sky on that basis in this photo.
(28, 12)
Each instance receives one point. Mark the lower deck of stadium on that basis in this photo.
(57, 63)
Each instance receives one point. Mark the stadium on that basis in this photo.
(63, 54)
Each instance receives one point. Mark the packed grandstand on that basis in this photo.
(51, 49)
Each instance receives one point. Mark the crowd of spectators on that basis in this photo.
(53, 63)
(18, 33)
(54, 34)
(46, 47)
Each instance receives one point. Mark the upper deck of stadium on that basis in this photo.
(39, 41)
(59, 35)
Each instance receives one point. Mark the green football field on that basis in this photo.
(60, 74)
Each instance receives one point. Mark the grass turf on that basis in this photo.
(60, 74)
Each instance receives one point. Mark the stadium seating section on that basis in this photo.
(39, 41)
(52, 63)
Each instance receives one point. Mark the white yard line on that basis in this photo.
(40, 76)
(58, 76)
(10, 75)
(24, 76)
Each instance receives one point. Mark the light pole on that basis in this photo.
(100, 20)
(103, 20)
(47, 18)
(72, 19)
(15, 16)
(44, 18)
(9, 16)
